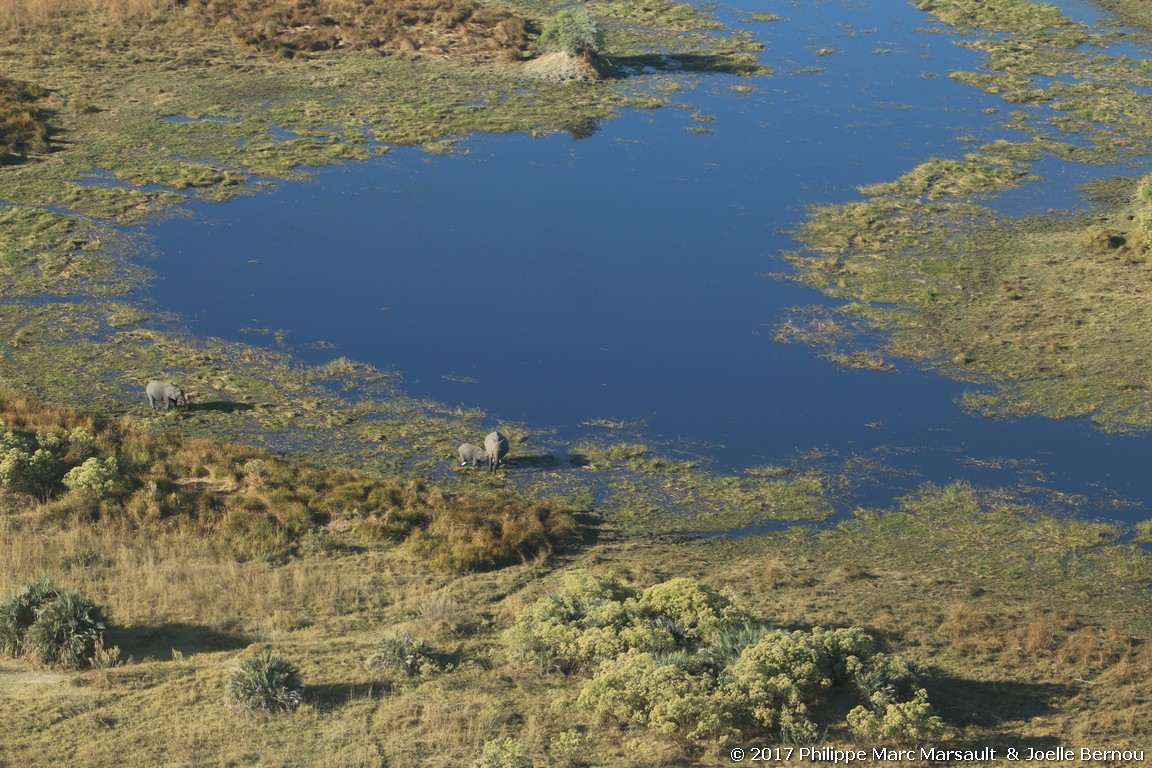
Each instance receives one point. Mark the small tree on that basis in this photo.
(573, 31)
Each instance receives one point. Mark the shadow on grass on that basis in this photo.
(987, 703)
(335, 695)
(221, 406)
(168, 641)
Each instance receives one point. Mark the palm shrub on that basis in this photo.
(405, 653)
(18, 613)
(267, 683)
(67, 632)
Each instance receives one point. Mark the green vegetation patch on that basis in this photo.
(668, 497)
(682, 659)
(1001, 546)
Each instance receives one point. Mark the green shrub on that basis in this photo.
(596, 618)
(574, 31)
(1144, 532)
(404, 653)
(67, 632)
(504, 753)
(887, 720)
(783, 673)
(97, 477)
(266, 683)
(697, 611)
(643, 689)
(34, 473)
(18, 613)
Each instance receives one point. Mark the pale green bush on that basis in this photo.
(596, 618)
(643, 689)
(685, 660)
(33, 473)
(887, 720)
(503, 753)
(574, 31)
(698, 611)
(98, 477)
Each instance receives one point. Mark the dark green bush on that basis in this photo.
(67, 632)
(18, 613)
(267, 683)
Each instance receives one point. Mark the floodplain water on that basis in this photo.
(633, 275)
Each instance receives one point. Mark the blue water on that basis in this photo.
(626, 276)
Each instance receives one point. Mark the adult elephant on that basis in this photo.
(496, 446)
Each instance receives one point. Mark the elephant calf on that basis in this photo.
(164, 392)
(471, 455)
(496, 446)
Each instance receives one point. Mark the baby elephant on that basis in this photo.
(471, 455)
(496, 446)
(164, 392)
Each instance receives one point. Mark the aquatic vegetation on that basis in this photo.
(1044, 310)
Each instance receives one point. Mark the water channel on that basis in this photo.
(629, 275)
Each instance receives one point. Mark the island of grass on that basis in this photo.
(1048, 312)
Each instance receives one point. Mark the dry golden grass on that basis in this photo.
(287, 27)
(16, 14)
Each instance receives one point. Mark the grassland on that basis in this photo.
(1030, 628)
(1048, 311)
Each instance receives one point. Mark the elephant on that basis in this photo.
(471, 455)
(496, 446)
(164, 392)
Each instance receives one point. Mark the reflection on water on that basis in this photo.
(624, 276)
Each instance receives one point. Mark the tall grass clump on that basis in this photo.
(472, 533)
(22, 131)
(267, 683)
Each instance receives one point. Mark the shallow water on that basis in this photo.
(626, 276)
